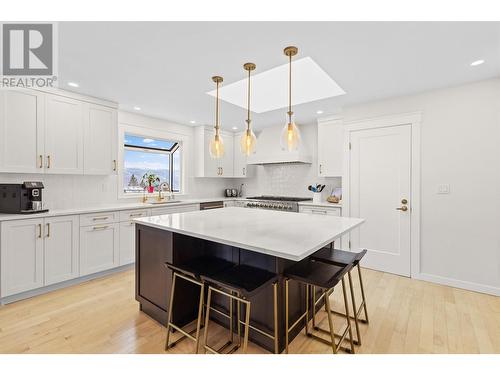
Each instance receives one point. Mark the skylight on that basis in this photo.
(270, 88)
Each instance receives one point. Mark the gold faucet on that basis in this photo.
(160, 190)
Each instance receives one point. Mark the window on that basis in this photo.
(144, 155)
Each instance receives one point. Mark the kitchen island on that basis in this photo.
(271, 240)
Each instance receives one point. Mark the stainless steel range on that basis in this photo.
(290, 204)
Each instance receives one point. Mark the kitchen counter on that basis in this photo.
(108, 207)
(281, 234)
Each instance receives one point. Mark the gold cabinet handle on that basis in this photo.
(319, 212)
(221, 171)
(48, 230)
(39, 230)
(114, 165)
(100, 227)
(136, 215)
(41, 161)
(244, 172)
(48, 161)
(100, 218)
(402, 208)
(320, 168)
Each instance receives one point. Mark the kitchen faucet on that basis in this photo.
(161, 190)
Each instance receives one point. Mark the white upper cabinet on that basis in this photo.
(56, 132)
(64, 118)
(21, 131)
(100, 140)
(240, 169)
(330, 147)
(205, 165)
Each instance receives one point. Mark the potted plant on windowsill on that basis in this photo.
(150, 180)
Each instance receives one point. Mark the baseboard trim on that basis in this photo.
(475, 287)
(64, 284)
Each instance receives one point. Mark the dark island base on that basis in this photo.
(154, 247)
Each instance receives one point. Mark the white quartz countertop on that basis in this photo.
(286, 235)
(109, 207)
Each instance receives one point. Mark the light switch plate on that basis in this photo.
(444, 189)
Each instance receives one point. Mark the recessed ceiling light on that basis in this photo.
(73, 84)
(192, 122)
(319, 112)
(477, 62)
(269, 88)
(137, 108)
(235, 128)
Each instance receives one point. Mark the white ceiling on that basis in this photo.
(166, 67)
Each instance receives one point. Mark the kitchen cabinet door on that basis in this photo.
(240, 168)
(21, 257)
(99, 246)
(227, 162)
(21, 131)
(61, 249)
(127, 243)
(330, 148)
(64, 119)
(100, 141)
(211, 166)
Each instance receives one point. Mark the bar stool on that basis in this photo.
(239, 283)
(190, 271)
(340, 258)
(323, 276)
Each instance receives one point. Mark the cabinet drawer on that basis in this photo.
(134, 214)
(333, 211)
(98, 218)
(176, 209)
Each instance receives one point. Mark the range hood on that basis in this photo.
(269, 151)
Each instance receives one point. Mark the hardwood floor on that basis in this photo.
(101, 316)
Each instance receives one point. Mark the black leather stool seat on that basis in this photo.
(338, 257)
(246, 280)
(206, 265)
(316, 273)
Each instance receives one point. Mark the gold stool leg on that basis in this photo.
(330, 322)
(355, 309)
(275, 310)
(200, 317)
(286, 315)
(238, 313)
(231, 323)
(170, 304)
(247, 327)
(362, 293)
(307, 310)
(347, 318)
(314, 307)
(207, 316)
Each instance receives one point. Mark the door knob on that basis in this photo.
(402, 208)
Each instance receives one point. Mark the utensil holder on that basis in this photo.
(316, 198)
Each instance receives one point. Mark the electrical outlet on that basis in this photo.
(444, 189)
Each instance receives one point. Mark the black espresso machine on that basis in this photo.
(25, 198)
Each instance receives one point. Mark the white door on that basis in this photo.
(64, 135)
(127, 242)
(380, 180)
(21, 256)
(99, 245)
(100, 136)
(61, 249)
(21, 131)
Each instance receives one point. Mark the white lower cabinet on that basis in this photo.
(61, 249)
(99, 247)
(127, 243)
(21, 256)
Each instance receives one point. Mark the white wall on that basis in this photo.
(67, 191)
(460, 146)
(291, 179)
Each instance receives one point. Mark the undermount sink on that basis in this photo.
(164, 202)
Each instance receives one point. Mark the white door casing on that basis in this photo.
(382, 169)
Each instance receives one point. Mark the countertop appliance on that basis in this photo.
(269, 202)
(25, 198)
(211, 205)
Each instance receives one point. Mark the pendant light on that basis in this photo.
(290, 135)
(216, 148)
(248, 139)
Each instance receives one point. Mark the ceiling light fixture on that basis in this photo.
(73, 84)
(477, 62)
(216, 147)
(248, 139)
(320, 112)
(290, 136)
(235, 128)
(137, 108)
(192, 122)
